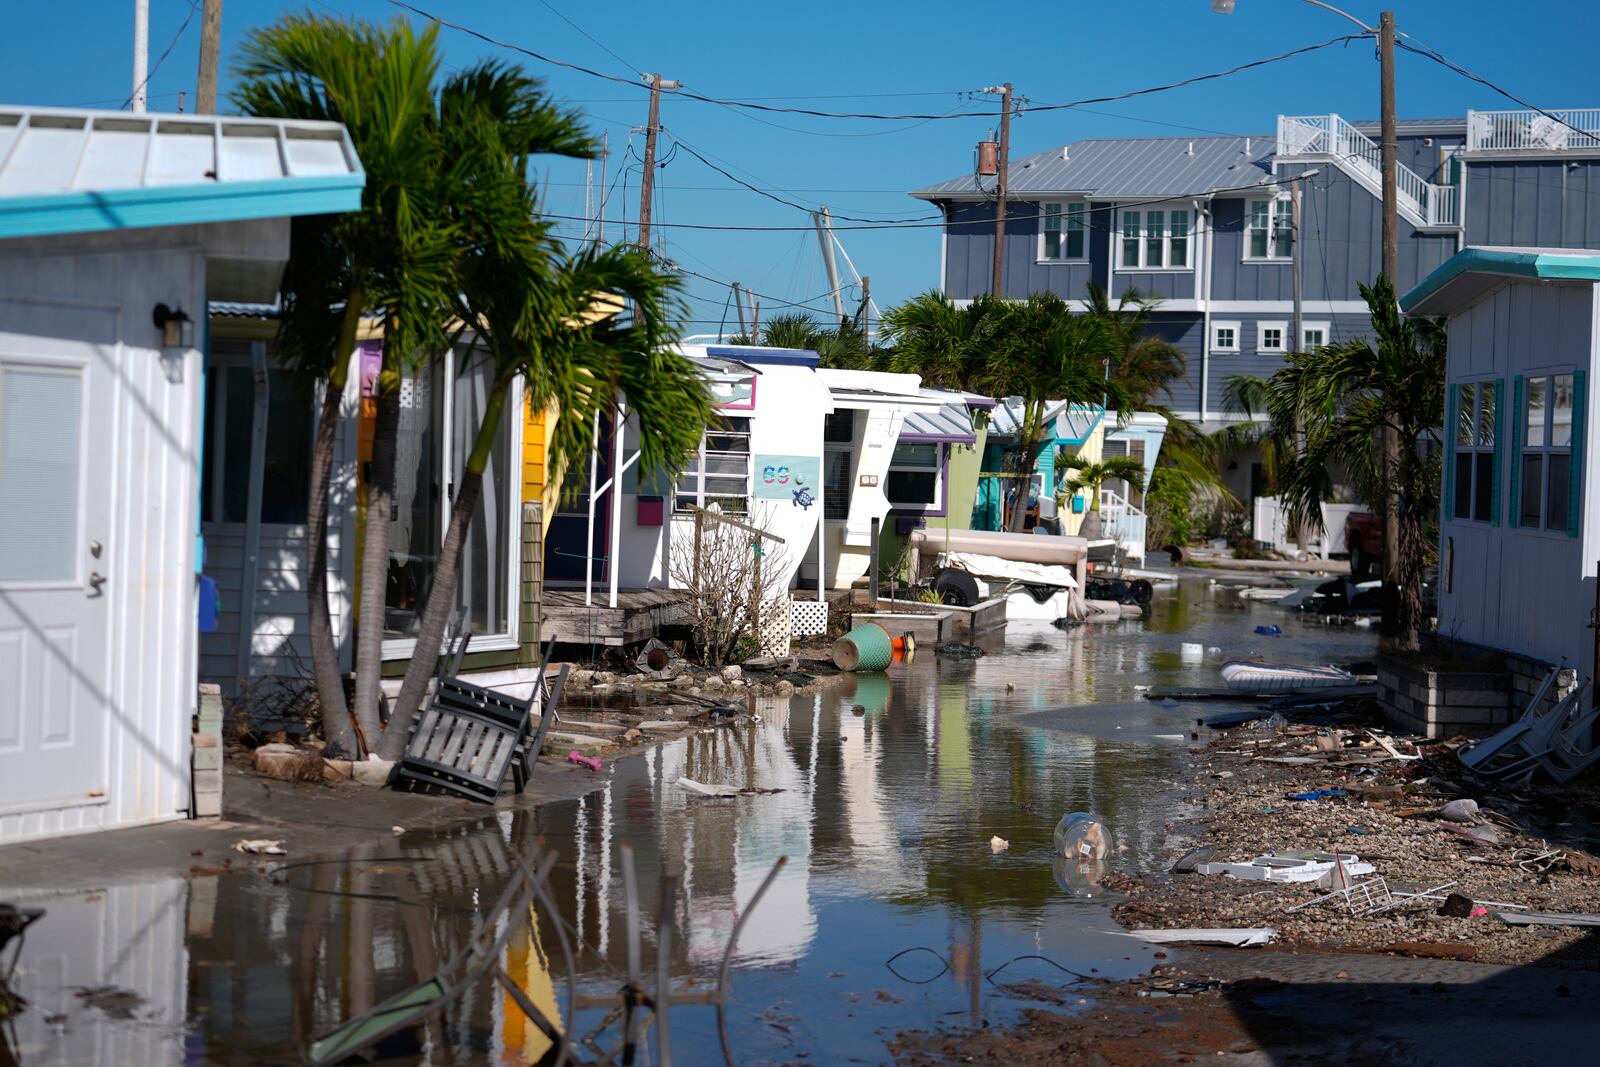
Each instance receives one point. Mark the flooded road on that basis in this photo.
(892, 911)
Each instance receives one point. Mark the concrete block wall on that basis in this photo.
(206, 774)
(1438, 704)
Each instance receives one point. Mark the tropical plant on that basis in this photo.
(533, 311)
(1036, 350)
(1338, 400)
(1169, 503)
(391, 255)
(845, 346)
(1090, 476)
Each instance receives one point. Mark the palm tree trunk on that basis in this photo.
(337, 726)
(442, 592)
(1090, 529)
(1027, 458)
(375, 561)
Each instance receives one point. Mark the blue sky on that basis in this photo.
(923, 58)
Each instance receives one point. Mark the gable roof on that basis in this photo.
(1475, 270)
(77, 171)
(1129, 166)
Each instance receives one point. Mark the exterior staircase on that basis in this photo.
(1331, 138)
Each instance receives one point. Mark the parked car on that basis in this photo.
(1363, 536)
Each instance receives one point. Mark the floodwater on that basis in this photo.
(891, 911)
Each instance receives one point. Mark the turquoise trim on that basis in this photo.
(1516, 264)
(179, 205)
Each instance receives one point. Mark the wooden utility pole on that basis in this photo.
(205, 95)
(1000, 188)
(1389, 440)
(647, 183)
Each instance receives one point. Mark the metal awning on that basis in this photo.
(950, 424)
(77, 171)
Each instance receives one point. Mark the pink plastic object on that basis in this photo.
(591, 762)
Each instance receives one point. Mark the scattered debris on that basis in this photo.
(1238, 938)
(260, 847)
(1546, 918)
(1427, 950)
(1191, 860)
(999, 844)
(1291, 867)
(1319, 794)
(591, 762)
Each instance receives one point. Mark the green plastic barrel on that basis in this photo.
(866, 648)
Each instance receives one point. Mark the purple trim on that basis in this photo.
(939, 438)
(984, 402)
(749, 405)
(944, 488)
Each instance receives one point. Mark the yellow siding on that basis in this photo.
(538, 483)
(1091, 451)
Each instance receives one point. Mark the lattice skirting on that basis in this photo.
(808, 618)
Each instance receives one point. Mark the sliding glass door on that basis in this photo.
(441, 407)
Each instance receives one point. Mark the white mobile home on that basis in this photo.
(115, 231)
(1519, 523)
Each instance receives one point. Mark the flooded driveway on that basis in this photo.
(892, 911)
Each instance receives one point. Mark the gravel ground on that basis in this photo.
(1387, 820)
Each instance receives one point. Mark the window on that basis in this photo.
(1313, 336)
(914, 480)
(230, 413)
(1063, 232)
(1270, 230)
(1155, 240)
(1544, 464)
(41, 456)
(719, 472)
(839, 436)
(1270, 336)
(1476, 407)
(1225, 337)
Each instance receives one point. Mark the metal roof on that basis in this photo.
(951, 423)
(71, 171)
(1073, 422)
(1131, 166)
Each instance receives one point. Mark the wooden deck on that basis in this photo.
(638, 616)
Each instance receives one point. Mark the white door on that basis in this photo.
(56, 458)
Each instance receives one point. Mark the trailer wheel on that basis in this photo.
(956, 587)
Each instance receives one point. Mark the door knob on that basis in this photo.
(96, 580)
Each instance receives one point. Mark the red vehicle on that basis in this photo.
(1363, 538)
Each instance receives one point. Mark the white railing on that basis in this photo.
(1123, 523)
(1362, 157)
(1533, 131)
(1271, 528)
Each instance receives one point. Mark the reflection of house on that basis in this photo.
(115, 230)
(1518, 531)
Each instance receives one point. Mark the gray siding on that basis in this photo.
(1545, 203)
(969, 253)
(1422, 157)
(1187, 333)
(1342, 226)
(1167, 284)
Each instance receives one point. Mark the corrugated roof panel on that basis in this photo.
(249, 153)
(115, 157)
(310, 155)
(181, 153)
(949, 423)
(40, 158)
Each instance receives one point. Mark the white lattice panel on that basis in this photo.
(775, 628)
(808, 618)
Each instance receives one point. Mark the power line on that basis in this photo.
(601, 44)
(194, 6)
(872, 116)
(680, 143)
(1437, 57)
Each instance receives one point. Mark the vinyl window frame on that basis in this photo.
(697, 469)
(1546, 451)
(1217, 326)
(1305, 330)
(1279, 230)
(1480, 450)
(936, 468)
(1262, 326)
(1072, 220)
(1144, 239)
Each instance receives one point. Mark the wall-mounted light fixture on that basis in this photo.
(177, 329)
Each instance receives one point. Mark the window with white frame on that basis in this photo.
(1476, 406)
(1224, 337)
(1313, 335)
(1272, 336)
(1269, 230)
(838, 438)
(230, 413)
(1155, 239)
(1062, 232)
(719, 471)
(1545, 455)
(914, 480)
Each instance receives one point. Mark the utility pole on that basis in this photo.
(1297, 341)
(141, 55)
(825, 237)
(605, 157)
(1390, 441)
(862, 313)
(1000, 187)
(205, 93)
(738, 302)
(647, 183)
(755, 319)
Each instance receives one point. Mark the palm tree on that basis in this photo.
(1035, 349)
(530, 309)
(1145, 364)
(1091, 476)
(392, 255)
(1337, 400)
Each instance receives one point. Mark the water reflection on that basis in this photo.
(890, 788)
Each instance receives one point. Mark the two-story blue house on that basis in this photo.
(1205, 224)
